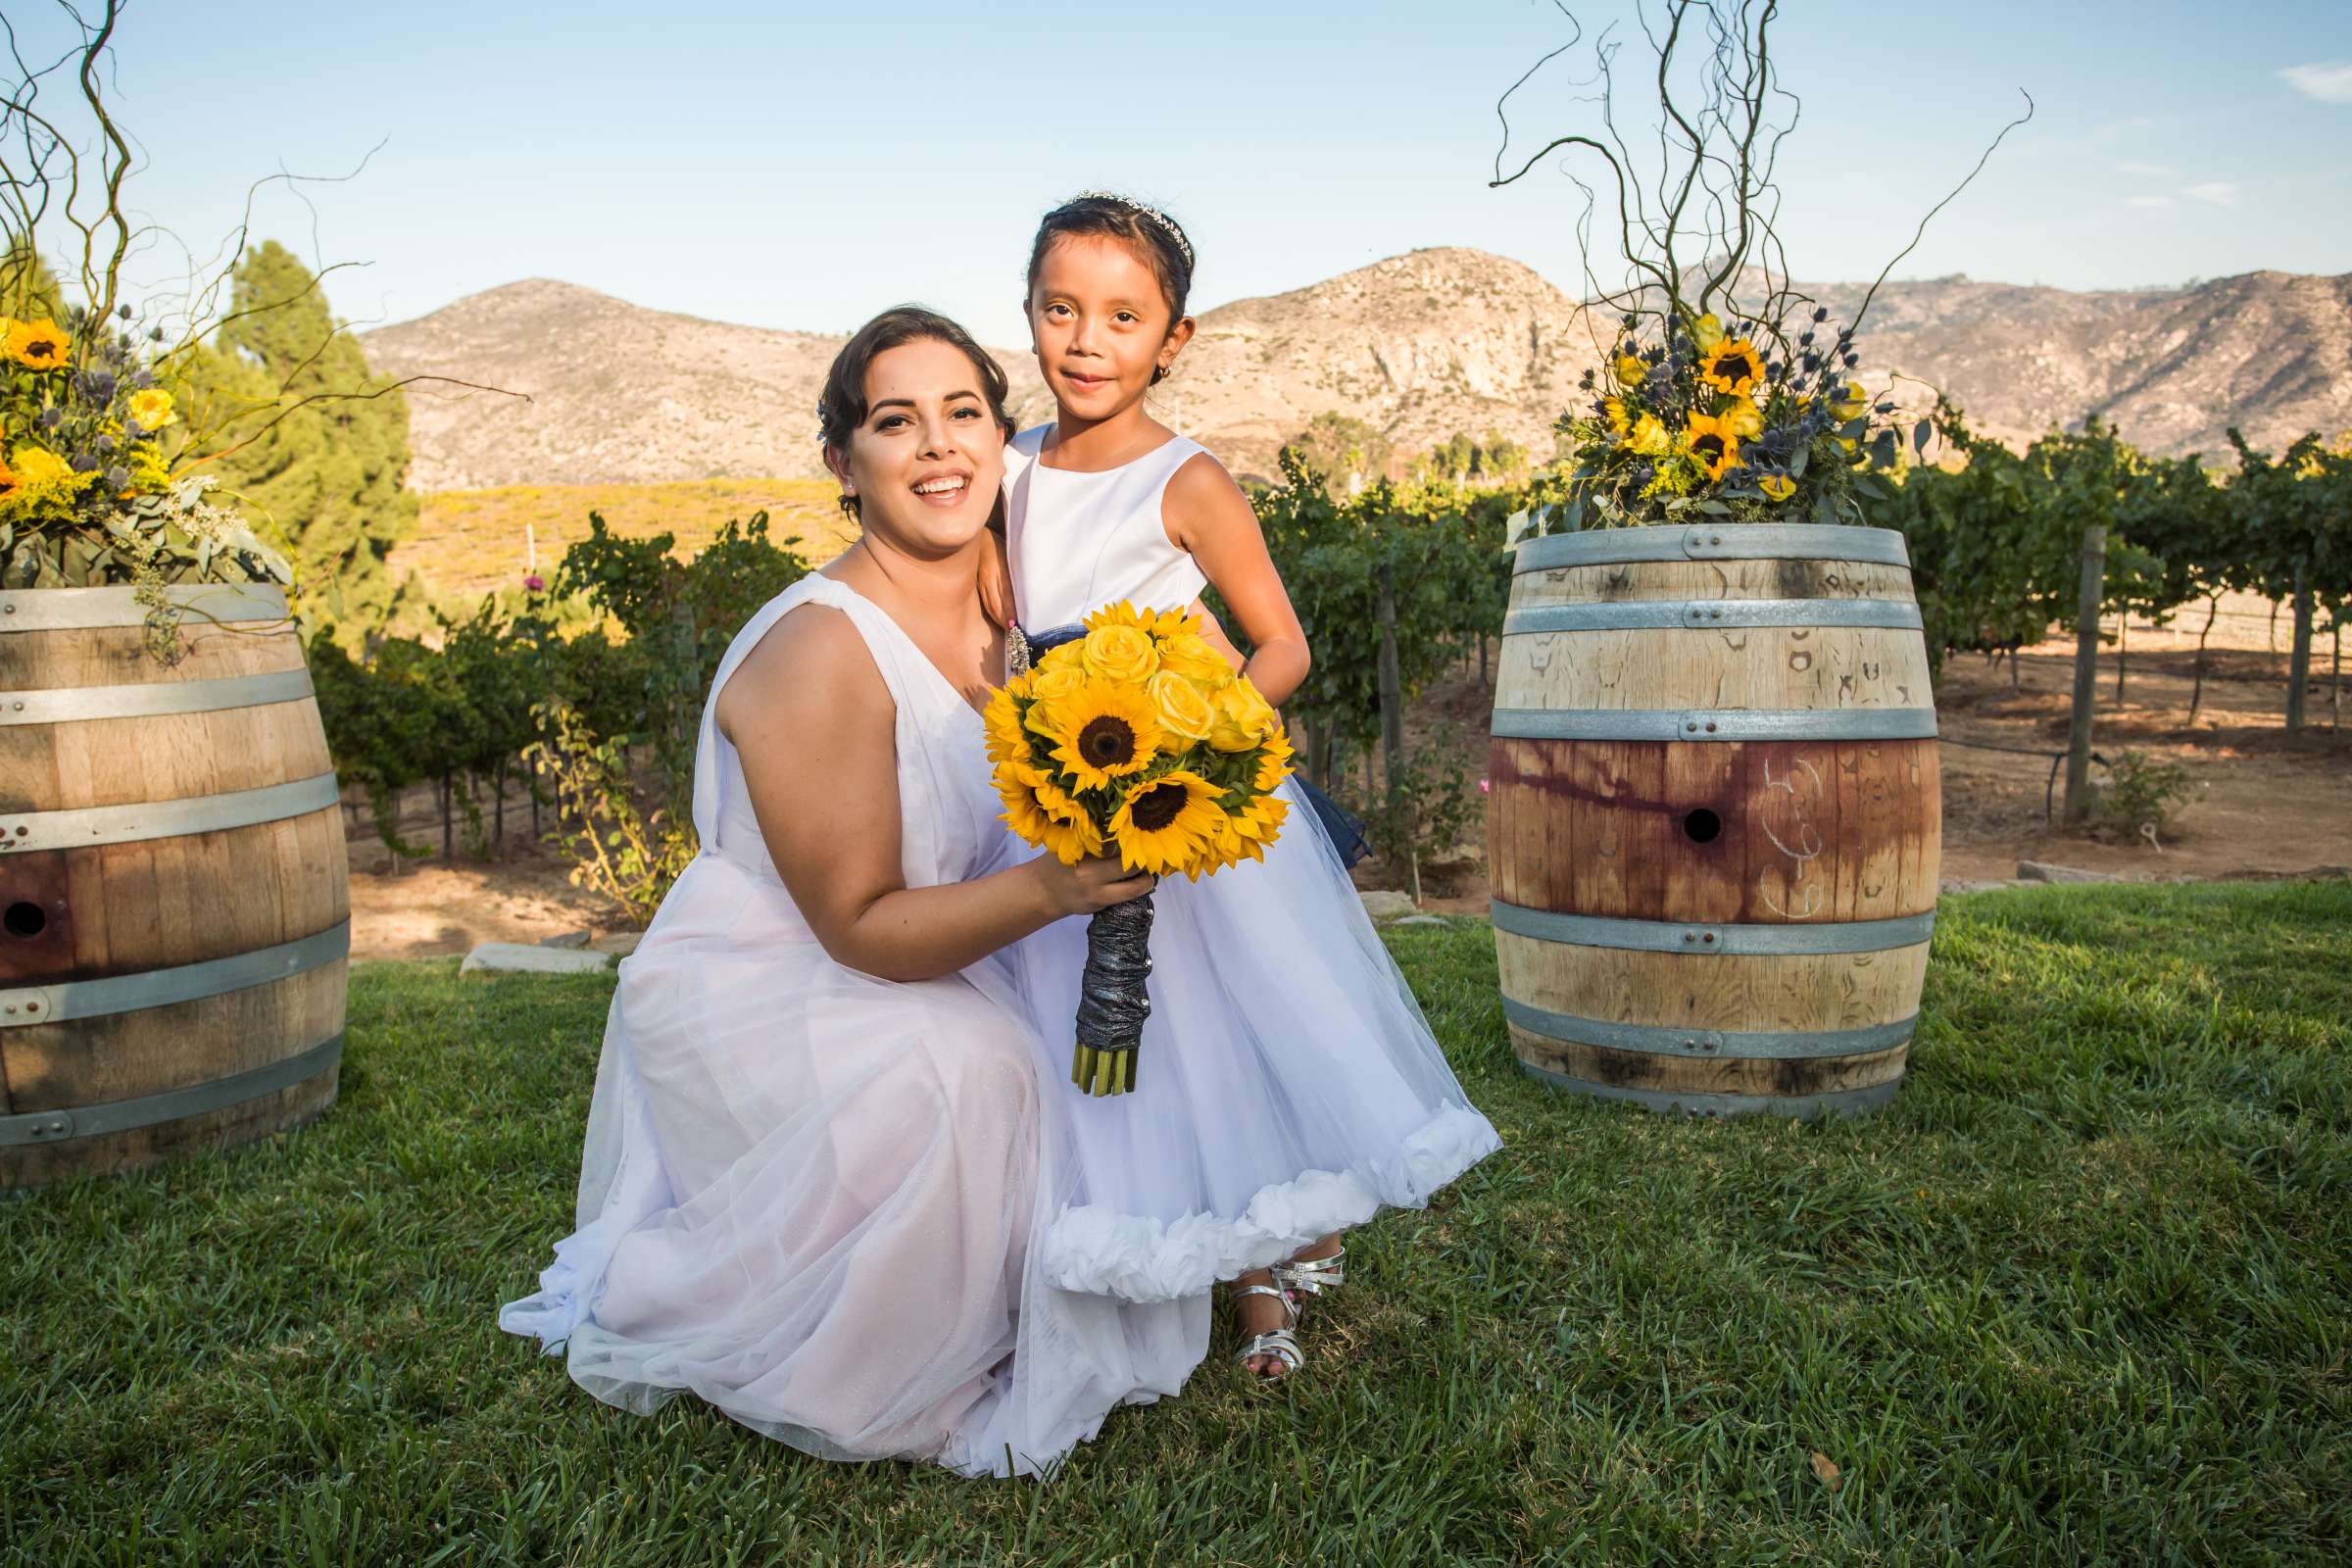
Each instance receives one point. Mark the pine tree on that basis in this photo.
(326, 477)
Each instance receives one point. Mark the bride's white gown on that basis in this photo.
(820, 1199)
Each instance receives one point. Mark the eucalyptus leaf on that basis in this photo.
(1919, 437)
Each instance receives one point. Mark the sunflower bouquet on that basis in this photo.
(1750, 422)
(93, 487)
(1136, 740)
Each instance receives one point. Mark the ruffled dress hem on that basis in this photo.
(1095, 1250)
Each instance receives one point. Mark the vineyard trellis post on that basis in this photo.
(1392, 684)
(2298, 662)
(2086, 671)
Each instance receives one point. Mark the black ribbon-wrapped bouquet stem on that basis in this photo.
(1112, 1002)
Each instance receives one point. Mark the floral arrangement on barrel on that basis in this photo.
(1744, 422)
(1139, 740)
(92, 490)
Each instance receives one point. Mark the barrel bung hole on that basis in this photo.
(24, 919)
(1702, 826)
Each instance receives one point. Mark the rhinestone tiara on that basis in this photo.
(1143, 210)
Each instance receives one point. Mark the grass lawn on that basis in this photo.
(2083, 1293)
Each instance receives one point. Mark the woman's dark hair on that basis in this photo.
(840, 406)
(1154, 237)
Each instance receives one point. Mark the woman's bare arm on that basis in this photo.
(815, 728)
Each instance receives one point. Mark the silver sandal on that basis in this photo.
(1312, 1276)
(1280, 1343)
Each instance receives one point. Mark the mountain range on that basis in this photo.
(595, 390)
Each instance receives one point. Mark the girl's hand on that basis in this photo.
(1092, 886)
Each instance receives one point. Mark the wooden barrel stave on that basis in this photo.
(1716, 749)
(248, 922)
(1651, 830)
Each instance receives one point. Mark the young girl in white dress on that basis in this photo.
(822, 1154)
(1288, 1086)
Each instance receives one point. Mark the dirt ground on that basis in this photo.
(2261, 804)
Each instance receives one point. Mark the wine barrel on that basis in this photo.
(1714, 816)
(175, 914)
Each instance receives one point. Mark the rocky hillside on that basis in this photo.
(1421, 346)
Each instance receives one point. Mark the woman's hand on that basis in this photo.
(1092, 886)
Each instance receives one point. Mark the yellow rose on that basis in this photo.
(1191, 656)
(1243, 719)
(1742, 417)
(1120, 653)
(1049, 687)
(1777, 487)
(1630, 370)
(1650, 437)
(35, 465)
(1706, 332)
(1851, 406)
(1065, 656)
(152, 408)
(1183, 710)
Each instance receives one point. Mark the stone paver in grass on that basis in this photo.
(522, 957)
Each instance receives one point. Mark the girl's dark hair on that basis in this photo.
(1152, 233)
(840, 406)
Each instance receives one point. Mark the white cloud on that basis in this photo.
(2147, 201)
(2328, 80)
(2219, 192)
(2141, 168)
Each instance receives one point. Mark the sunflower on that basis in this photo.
(10, 484)
(1732, 367)
(40, 345)
(1104, 731)
(1613, 410)
(1712, 443)
(1251, 829)
(1273, 763)
(1022, 813)
(1777, 486)
(1069, 832)
(1169, 824)
(1003, 720)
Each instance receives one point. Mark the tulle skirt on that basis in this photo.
(818, 1200)
(1287, 1085)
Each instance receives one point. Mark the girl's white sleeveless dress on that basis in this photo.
(1288, 1084)
(818, 1198)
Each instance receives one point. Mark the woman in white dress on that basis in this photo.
(821, 1166)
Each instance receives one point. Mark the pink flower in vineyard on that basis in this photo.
(1482, 788)
(534, 582)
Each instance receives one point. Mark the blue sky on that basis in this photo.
(800, 165)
